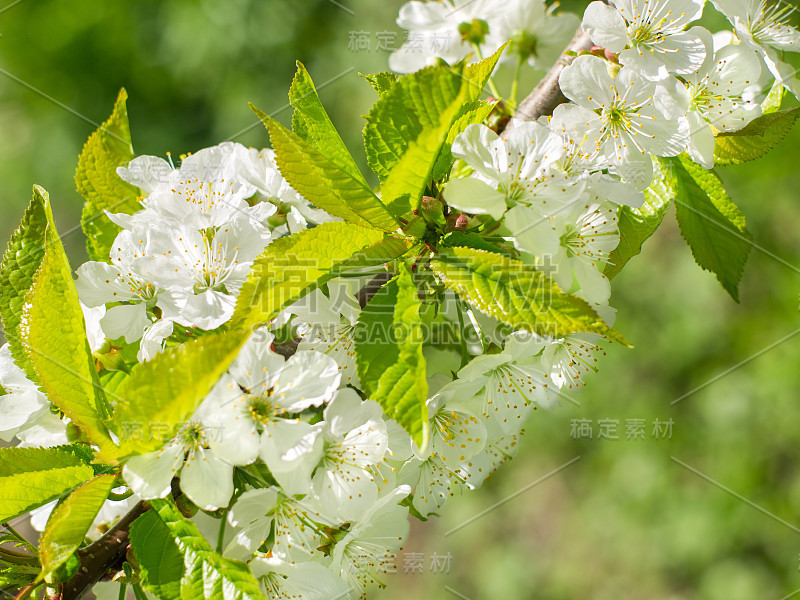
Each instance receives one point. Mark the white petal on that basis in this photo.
(127, 320)
(207, 480)
(150, 475)
(307, 379)
(532, 232)
(475, 197)
(587, 82)
(605, 26)
(701, 141)
(291, 449)
(474, 146)
(99, 283)
(153, 339)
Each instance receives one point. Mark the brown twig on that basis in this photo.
(97, 558)
(547, 95)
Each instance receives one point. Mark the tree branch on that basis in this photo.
(97, 558)
(547, 95)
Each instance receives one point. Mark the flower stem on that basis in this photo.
(512, 101)
(139, 592)
(221, 535)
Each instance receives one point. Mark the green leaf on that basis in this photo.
(470, 240)
(160, 560)
(163, 393)
(14, 461)
(31, 477)
(409, 128)
(329, 186)
(711, 224)
(107, 148)
(21, 260)
(206, 575)
(296, 264)
(636, 225)
(389, 356)
(517, 294)
(772, 103)
(53, 335)
(445, 161)
(311, 122)
(70, 522)
(381, 82)
(759, 137)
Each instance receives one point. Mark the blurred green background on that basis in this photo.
(626, 520)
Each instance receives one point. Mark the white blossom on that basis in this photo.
(620, 118)
(764, 27)
(354, 441)
(649, 35)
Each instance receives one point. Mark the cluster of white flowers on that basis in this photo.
(453, 29)
(328, 479)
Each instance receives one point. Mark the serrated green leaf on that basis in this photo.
(409, 104)
(517, 294)
(163, 393)
(711, 224)
(70, 521)
(14, 461)
(323, 181)
(389, 358)
(22, 259)
(445, 161)
(470, 240)
(31, 477)
(312, 123)
(206, 574)
(107, 148)
(636, 225)
(381, 82)
(160, 560)
(427, 91)
(772, 103)
(293, 265)
(53, 335)
(759, 137)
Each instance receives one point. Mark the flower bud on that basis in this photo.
(474, 32)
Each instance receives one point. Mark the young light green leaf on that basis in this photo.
(163, 393)
(160, 560)
(381, 82)
(21, 260)
(711, 224)
(14, 461)
(31, 477)
(474, 116)
(406, 106)
(107, 148)
(324, 181)
(755, 140)
(53, 335)
(408, 178)
(206, 574)
(70, 521)
(294, 265)
(772, 103)
(389, 356)
(311, 122)
(636, 225)
(517, 294)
